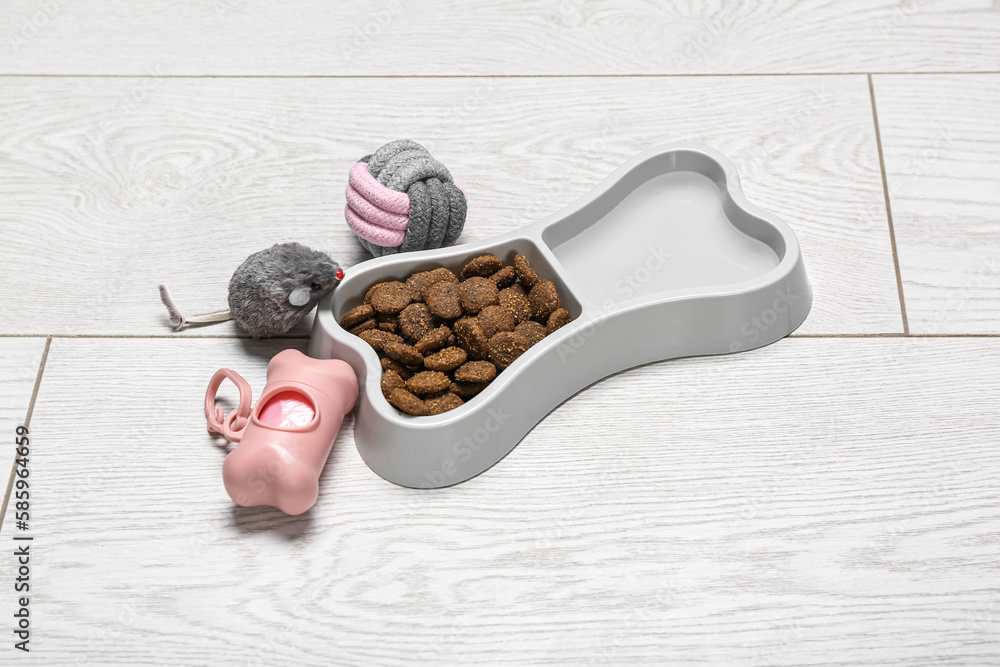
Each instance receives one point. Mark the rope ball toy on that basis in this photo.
(401, 199)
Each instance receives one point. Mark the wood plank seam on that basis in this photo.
(27, 422)
(626, 75)
(888, 207)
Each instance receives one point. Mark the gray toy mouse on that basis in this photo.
(271, 290)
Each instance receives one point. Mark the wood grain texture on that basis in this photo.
(19, 360)
(824, 502)
(495, 37)
(942, 154)
(110, 186)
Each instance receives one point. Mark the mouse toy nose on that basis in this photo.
(339, 274)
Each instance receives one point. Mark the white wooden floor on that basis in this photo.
(832, 499)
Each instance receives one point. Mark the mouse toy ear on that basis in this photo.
(179, 321)
(300, 296)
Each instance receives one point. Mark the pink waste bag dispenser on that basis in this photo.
(284, 441)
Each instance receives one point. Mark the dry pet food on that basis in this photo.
(407, 402)
(389, 297)
(443, 339)
(447, 359)
(433, 340)
(524, 271)
(418, 282)
(507, 346)
(532, 330)
(467, 390)
(543, 298)
(476, 371)
(515, 302)
(476, 293)
(396, 367)
(484, 265)
(494, 319)
(559, 318)
(435, 405)
(443, 300)
(505, 277)
(404, 354)
(378, 338)
(357, 315)
(365, 326)
(428, 382)
(470, 337)
(391, 380)
(416, 321)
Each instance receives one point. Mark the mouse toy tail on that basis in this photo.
(179, 321)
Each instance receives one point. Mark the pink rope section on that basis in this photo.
(374, 212)
(371, 212)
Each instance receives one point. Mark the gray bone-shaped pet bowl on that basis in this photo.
(663, 259)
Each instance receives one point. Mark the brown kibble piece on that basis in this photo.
(391, 380)
(515, 301)
(471, 338)
(484, 265)
(393, 365)
(378, 338)
(476, 371)
(416, 321)
(531, 330)
(558, 318)
(543, 298)
(468, 389)
(364, 326)
(388, 322)
(433, 340)
(505, 277)
(505, 347)
(407, 402)
(418, 282)
(476, 293)
(494, 319)
(447, 359)
(524, 271)
(356, 316)
(443, 300)
(373, 289)
(444, 402)
(389, 297)
(428, 382)
(404, 354)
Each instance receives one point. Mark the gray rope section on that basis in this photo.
(437, 206)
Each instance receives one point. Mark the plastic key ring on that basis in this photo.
(218, 420)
